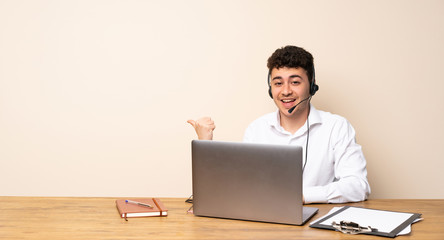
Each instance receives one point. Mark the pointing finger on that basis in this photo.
(192, 122)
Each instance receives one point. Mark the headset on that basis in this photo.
(313, 89)
(313, 86)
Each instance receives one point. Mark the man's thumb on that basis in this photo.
(192, 122)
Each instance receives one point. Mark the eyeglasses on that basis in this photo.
(190, 200)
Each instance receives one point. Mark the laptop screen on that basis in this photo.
(258, 182)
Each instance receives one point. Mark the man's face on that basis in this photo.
(289, 86)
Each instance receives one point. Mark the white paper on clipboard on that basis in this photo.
(383, 221)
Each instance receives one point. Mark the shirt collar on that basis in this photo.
(314, 118)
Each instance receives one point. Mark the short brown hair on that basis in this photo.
(292, 57)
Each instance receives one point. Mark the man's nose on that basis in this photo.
(286, 89)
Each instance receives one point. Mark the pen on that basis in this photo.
(139, 203)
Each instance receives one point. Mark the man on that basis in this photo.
(334, 168)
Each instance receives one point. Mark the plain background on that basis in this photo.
(95, 94)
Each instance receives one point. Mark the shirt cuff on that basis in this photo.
(315, 194)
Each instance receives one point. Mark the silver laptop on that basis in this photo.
(257, 182)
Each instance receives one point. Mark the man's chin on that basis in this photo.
(284, 112)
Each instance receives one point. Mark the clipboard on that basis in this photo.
(377, 222)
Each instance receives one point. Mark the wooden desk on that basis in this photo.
(97, 218)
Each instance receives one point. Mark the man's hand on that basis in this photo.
(204, 128)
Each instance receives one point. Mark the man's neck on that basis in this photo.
(293, 123)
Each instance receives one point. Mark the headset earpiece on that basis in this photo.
(269, 84)
(313, 88)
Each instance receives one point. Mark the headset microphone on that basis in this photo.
(292, 109)
(313, 89)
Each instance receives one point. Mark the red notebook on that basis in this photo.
(129, 207)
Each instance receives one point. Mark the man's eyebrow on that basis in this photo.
(295, 76)
(292, 76)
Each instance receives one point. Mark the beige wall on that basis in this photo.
(95, 94)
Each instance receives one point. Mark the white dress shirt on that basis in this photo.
(335, 170)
